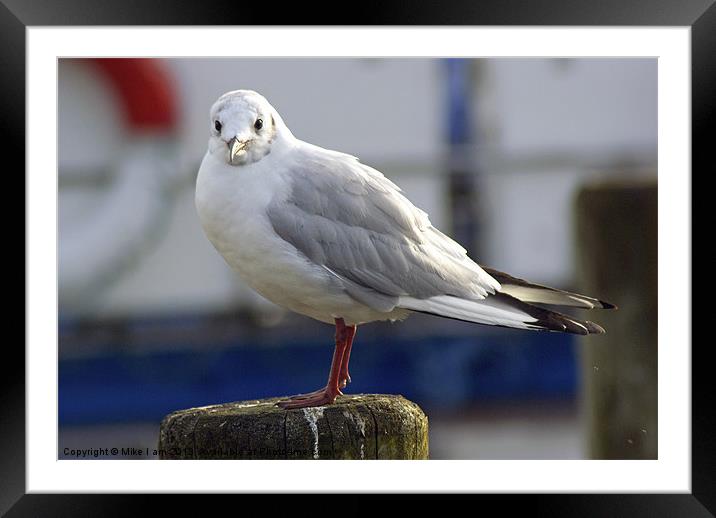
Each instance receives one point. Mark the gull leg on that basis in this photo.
(345, 377)
(327, 394)
(341, 335)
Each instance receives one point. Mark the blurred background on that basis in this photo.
(543, 168)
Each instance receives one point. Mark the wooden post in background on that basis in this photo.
(362, 426)
(616, 226)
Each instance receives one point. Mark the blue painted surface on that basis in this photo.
(459, 114)
(435, 371)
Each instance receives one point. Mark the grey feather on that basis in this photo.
(368, 296)
(350, 219)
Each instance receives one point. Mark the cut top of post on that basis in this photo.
(362, 426)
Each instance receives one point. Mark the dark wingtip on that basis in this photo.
(594, 328)
(576, 328)
(608, 305)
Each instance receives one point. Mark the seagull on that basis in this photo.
(323, 235)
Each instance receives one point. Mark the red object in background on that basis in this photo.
(145, 91)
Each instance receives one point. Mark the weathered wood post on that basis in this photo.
(362, 426)
(617, 261)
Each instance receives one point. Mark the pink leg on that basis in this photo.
(345, 377)
(328, 394)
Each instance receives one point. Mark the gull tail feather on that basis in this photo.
(538, 294)
(502, 310)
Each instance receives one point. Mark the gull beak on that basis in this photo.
(236, 148)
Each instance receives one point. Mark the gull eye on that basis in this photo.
(217, 126)
(258, 124)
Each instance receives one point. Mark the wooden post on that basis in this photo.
(617, 250)
(363, 426)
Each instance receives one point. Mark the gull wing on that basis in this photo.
(354, 222)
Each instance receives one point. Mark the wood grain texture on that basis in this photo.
(362, 426)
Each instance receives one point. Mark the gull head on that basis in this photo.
(244, 128)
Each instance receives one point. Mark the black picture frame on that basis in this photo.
(700, 15)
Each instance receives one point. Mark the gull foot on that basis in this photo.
(318, 397)
(308, 395)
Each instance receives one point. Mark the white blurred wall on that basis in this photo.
(545, 126)
(586, 106)
(548, 126)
